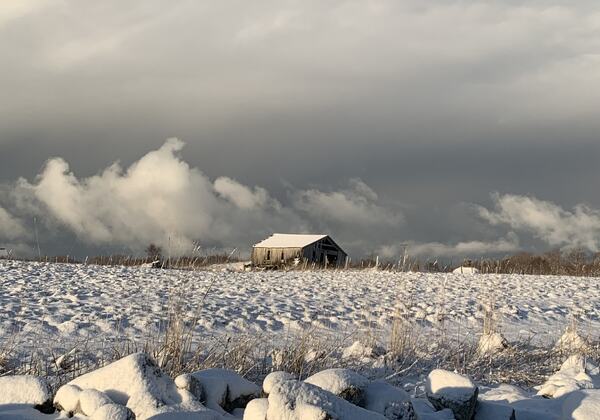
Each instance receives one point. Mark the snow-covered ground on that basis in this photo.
(55, 309)
(51, 303)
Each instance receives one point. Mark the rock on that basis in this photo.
(344, 383)
(394, 403)
(67, 399)
(91, 400)
(257, 409)
(26, 389)
(112, 412)
(295, 400)
(190, 383)
(359, 350)
(450, 390)
(425, 411)
(573, 375)
(487, 410)
(225, 389)
(582, 405)
(274, 378)
(138, 383)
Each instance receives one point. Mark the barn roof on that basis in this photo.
(289, 240)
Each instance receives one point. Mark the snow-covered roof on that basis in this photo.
(289, 240)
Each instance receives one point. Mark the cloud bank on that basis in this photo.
(161, 199)
(547, 221)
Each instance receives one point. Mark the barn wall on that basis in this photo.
(259, 255)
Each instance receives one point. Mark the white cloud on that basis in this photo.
(11, 227)
(242, 196)
(579, 227)
(356, 205)
(509, 244)
(161, 199)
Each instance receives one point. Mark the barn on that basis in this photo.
(284, 248)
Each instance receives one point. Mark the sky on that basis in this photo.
(456, 128)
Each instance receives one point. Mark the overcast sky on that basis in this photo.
(460, 127)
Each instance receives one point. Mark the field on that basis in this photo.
(61, 320)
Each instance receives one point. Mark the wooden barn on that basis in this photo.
(284, 249)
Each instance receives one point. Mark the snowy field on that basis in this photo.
(52, 312)
(56, 304)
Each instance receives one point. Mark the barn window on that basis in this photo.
(281, 255)
(268, 254)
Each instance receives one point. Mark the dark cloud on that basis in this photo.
(431, 105)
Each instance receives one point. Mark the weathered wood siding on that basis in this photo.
(323, 252)
(274, 256)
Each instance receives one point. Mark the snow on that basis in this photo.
(450, 385)
(67, 398)
(136, 382)
(286, 240)
(90, 400)
(582, 405)
(574, 374)
(23, 389)
(237, 385)
(223, 387)
(275, 378)
(56, 306)
(337, 381)
(385, 399)
(491, 343)
(256, 409)
(465, 270)
(295, 400)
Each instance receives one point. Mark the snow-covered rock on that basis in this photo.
(295, 400)
(465, 270)
(491, 343)
(112, 412)
(274, 378)
(574, 374)
(90, 400)
(360, 350)
(582, 405)
(67, 399)
(138, 383)
(256, 409)
(425, 411)
(190, 383)
(24, 389)
(392, 402)
(450, 390)
(225, 389)
(344, 383)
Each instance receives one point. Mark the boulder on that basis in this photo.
(67, 399)
(225, 389)
(138, 383)
(112, 411)
(295, 400)
(257, 409)
(450, 390)
(573, 375)
(191, 384)
(344, 383)
(274, 378)
(394, 403)
(26, 389)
